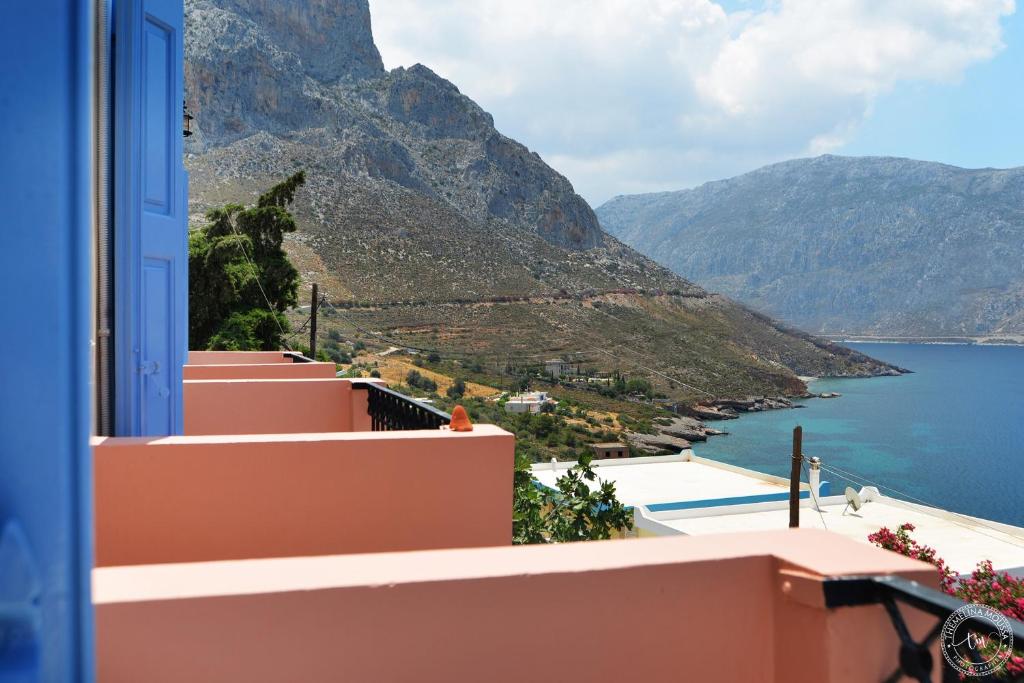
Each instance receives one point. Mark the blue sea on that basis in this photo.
(951, 434)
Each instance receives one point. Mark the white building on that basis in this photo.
(685, 494)
(530, 402)
(676, 479)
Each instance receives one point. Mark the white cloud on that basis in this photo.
(635, 95)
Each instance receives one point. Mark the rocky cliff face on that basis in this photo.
(875, 246)
(305, 69)
(428, 224)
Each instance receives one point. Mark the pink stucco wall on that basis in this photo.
(236, 357)
(272, 406)
(709, 608)
(261, 371)
(188, 499)
(267, 406)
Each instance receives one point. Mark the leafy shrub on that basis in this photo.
(415, 379)
(572, 513)
(335, 355)
(457, 390)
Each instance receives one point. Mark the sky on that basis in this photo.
(628, 96)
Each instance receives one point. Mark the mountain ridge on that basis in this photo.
(873, 246)
(801, 160)
(423, 222)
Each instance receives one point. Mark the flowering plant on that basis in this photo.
(984, 586)
(901, 542)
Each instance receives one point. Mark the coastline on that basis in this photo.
(987, 340)
(960, 406)
(690, 425)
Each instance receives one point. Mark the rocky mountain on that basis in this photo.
(426, 225)
(869, 246)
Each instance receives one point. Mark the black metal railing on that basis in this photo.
(915, 656)
(392, 411)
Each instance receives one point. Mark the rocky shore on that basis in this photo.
(682, 431)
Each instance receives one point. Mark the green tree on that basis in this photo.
(415, 379)
(457, 390)
(572, 513)
(236, 266)
(543, 424)
(638, 386)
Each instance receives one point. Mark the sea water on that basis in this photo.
(951, 434)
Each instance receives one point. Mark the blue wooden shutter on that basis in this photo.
(150, 282)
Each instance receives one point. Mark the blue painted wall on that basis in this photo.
(45, 204)
(824, 491)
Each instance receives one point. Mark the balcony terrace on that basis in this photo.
(740, 607)
(278, 467)
(302, 529)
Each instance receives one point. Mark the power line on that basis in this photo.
(259, 284)
(459, 355)
(656, 372)
(301, 329)
(643, 367)
(972, 522)
(378, 335)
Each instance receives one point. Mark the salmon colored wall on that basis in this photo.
(707, 608)
(267, 406)
(262, 371)
(846, 640)
(189, 499)
(236, 357)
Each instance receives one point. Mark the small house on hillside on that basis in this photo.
(607, 451)
(531, 402)
(557, 367)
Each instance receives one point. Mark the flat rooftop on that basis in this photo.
(960, 540)
(671, 479)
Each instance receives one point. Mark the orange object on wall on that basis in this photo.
(460, 421)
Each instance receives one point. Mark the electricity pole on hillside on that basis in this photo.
(794, 477)
(312, 322)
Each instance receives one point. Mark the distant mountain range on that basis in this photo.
(860, 246)
(425, 224)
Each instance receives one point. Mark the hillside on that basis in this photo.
(427, 227)
(868, 246)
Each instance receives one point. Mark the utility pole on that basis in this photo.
(312, 321)
(794, 477)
